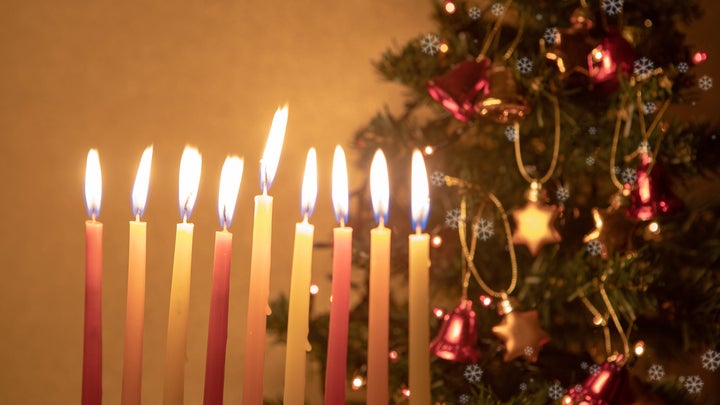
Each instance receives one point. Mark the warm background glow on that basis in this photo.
(118, 76)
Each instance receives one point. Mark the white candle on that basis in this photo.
(253, 370)
(419, 303)
(299, 311)
(135, 307)
(379, 294)
(174, 390)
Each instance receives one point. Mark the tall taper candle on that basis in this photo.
(419, 303)
(230, 178)
(379, 293)
(92, 337)
(260, 267)
(174, 390)
(299, 311)
(135, 307)
(336, 366)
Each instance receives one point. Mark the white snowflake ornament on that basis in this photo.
(705, 82)
(592, 130)
(510, 133)
(643, 67)
(590, 161)
(693, 384)
(612, 7)
(683, 67)
(464, 399)
(452, 217)
(555, 391)
(474, 13)
(629, 175)
(497, 9)
(484, 229)
(710, 360)
(430, 44)
(523, 386)
(437, 179)
(594, 369)
(551, 35)
(473, 373)
(524, 65)
(656, 372)
(562, 194)
(594, 248)
(649, 107)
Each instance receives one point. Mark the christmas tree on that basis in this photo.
(574, 221)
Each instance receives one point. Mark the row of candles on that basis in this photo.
(298, 319)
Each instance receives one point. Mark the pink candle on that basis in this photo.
(336, 368)
(218, 326)
(92, 339)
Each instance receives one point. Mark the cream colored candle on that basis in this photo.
(230, 178)
(259, 292)
(299, 311)
(92, 333)
(379, 294)
(135, 306)
(174, 389)
(419, 304)
(336, 366)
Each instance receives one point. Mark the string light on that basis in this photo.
(436, 241)
(450, 7)
(438, 312)
(314, 289)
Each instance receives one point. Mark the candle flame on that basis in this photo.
(420, 203)
(340, 185)
(142, 183)
(310, 186)
(271, 157)
(93, 184)
(190, 166)
(380, 187)
(230, 178)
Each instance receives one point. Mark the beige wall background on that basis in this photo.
(119, 76)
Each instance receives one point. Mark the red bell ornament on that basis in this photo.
(607, 61)
(606, 387)
(651, 197)
(461, 89)
(457, 338)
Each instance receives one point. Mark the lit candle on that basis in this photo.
(92, 343)
(135, 308)
(419, 305)
(218, 326)
(299, 311)
(335, 370)
(190, 165)
(260, 266)
(379, 312)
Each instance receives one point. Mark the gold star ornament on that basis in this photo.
(534, 226)
(522, 335)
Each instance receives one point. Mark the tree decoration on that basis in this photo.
(573, 44)
(461, 89)
(535, 223)
(521, 333)
(457, 338)
(607, 61)
(613, 228)
(652, 197)
(606, 387)
(503, 103)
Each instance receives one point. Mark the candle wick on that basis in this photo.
(137, 216)
(418, 229)
(381, 221)
(305, 218)
(342, 221)
(185, 218)
(93, 215)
